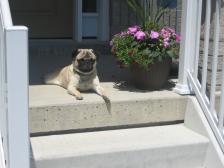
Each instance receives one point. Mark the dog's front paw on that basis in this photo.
(106, 98)
(79, 97)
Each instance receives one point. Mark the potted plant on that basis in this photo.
(146, 49)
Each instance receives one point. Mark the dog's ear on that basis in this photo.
(96, 53)
(75, 53)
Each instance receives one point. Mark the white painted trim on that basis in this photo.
(2, 157)
(197, 37)
(104, 20)
(6, 14)
(103, 28)
(187, 48)
(91, 14)
(196, 120)
(3, 91)
(78, 21)
(213, 120)
(215, 54)
(206, 47)
(17, 96)
(183, 89)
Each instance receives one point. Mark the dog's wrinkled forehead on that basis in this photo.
(84, 53)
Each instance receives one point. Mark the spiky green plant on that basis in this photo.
(144, 13)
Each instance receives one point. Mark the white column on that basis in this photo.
(78, 20)
(17, 96)
(104, 20)
(187, 48)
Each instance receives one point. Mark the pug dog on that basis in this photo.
(81, 75)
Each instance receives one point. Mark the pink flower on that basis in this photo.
(165, 33)
(133, 30)
(165, 44)
(170, 30)
(122, 34)
(140, 35)
(154, 35)
(166, 39)
(178, 38)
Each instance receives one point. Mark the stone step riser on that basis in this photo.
(93, 116)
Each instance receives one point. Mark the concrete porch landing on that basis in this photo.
(53, 110)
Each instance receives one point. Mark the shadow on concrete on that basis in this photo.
(127, 86)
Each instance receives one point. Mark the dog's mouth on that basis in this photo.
(86, 70)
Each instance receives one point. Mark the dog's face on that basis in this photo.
(84, 60)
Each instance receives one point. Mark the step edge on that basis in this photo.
(97, 102)
(196, 141)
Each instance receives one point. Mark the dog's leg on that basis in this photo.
(100, 91)
(73, 91)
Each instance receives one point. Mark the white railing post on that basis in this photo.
(5, 21)
(190, 51)
(215, 56)
(206, 48)
(6, 18)
(2, 157)
(16, 38)
(14, 144)
(187, 48)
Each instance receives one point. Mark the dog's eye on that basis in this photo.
(81, 60)
(92, 60)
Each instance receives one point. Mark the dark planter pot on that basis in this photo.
(154, 78)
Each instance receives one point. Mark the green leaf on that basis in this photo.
(137, 8)
(146, 51)
(134, 43)
(171, 53)
(160, 13)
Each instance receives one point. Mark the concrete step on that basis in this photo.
(53, 110)
(172, 146)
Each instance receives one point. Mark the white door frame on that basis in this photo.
(103, 27)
